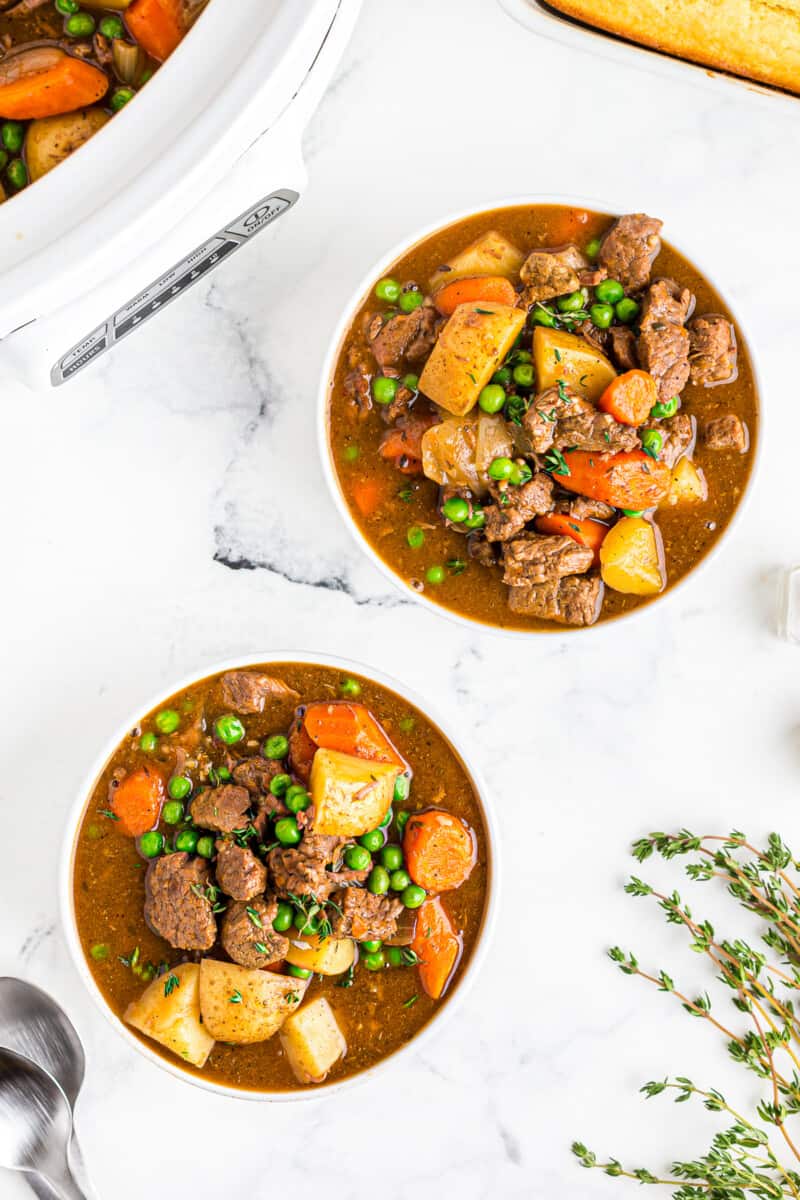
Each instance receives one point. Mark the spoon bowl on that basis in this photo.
(35, 1124)
(32, 1024)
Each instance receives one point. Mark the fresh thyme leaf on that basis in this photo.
(456, 566)
(485, 312)
(405, 495)
(170, 983)
(515, 409)
(412, 1000)
(562, 392)
(557, 355)
(472, 377)
(555, 463)
(261, 948)
(409, 957)
(236, 998)
(346, 980)
(106, 812)
(254, 916)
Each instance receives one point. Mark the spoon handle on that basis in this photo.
(63, 1187)
(43, 1189)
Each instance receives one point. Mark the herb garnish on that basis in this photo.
(106, 812)
(347, 979)
(261, 948)
(170, 983)
(555, 463)
(412, 1000)
(236, 998)
(404, 494)
(254, 917)
(456, 566)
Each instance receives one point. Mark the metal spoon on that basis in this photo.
(32, 1024)
(35, 1125)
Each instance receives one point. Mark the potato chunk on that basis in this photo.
(168, 1011)
(241, 1005)
(467, 353)
(558, 355)
(688, 484)
(351, 795)
(312, 1041)
(332, 956)
(52, 139)
(490, 254)
(630, 558)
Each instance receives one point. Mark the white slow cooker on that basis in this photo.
(206, 157)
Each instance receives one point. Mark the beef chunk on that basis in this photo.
(537, 558)
(549, 273)
(629, 249)
(239, 873)
(679, 433)
(301, 749)
(597, 338)
(594, 431)
(712, 349)
(303, 870)
(622, 347)
(591, 276)
(408, 336)
(256, 773)
(549, 407)
(481, 551)
(582, 508)
(357, 389)
(246, 691)
(726, 432)
(576, 600)
(365, 917)
(248, 937)
(529, 500)
(176, 906)
(221, 808)
(663, 341)
(399, 407)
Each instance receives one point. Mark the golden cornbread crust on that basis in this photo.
(759, 39)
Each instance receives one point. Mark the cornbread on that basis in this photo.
(759, 39)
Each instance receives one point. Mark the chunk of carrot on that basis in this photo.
(437, 946)
(585, 531)
(45, 81)
(351, 729)
(136, 802)
(472, 290)
(629, 397)
(368, 495)
(630, 479)
(157, 25)
(402, 444)
(440, 850)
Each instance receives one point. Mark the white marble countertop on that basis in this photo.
(131, 499)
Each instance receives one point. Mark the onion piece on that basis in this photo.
(128, 60)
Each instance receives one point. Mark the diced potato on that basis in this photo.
(458, 450)
(688, 485)
(351, 795)
(312, 1041)
(467, 353)
(566, 356)
(52, 139)
(630, 558)
(169, 1013)
(331, 956)
(242, 1006)
(490, 254)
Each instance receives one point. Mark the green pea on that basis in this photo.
(391, 857)
(666, 408)
(286, 831)
(356, 858)
(81, 24)
(372, 841)
(67, 7)
(121, 97)
(306, 925)
(17, 173)
(187, 841)
(279, 784)
(205, 847)
(402, 786)
(276, 746)
(406, 724)
(350, 688)
(100, 951)
(415, 537)
(501, 468)
(633, 512)
(411, 382)
(283, 918)
(652, 441)
(179, 787)
(502, 376)
(409, 301)
(521, 474)
(477, 520)
(610, 291)
(602, 315)
(167, 721)
(456, 509)
(492, 398)
(387, 820)
(592, 248)
(627, 310)
(542, 315)
(378, 881)
(388, 290)
(384, 389)
(401, 820)
(522, 356)
(172, 812)
(112, 27)
(371, 947)
(435, 575)
(223, 773)
(94, 832)
(351, 453)
(297, 799)
(571, 303)
(394, 956)
(413, 896)
(399, 880)
(12, 135)
(229, 729)
(151, 844)
(298, 972)
(524, 375)
(373, 962)
(148, 742)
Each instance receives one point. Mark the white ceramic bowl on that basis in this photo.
(76, 816)
(349, 311)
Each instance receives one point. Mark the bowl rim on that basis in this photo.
(494, 872)
(343, 325)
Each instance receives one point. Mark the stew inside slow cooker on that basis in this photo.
(280, 876)
(67, 66)
(543, 416)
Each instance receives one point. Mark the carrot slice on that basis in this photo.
(157, 26)
(585, 532)
(629, 397)
(368, 495)
(438, 947)
(440, 850)
(351, 729)
(45, 82)
(137, 801)
(472, 290)
(631, 479)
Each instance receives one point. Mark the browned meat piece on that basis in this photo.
(301, 749)
(356, 387)
(176, 906)
(405, 335)
(239, 873)
(529, 500)
(584, 509)
(679, 433)
(537, 558)
(595, 431)
(629, 249)
(622, 347)
(663, 341)
(303, 870)
(539, 422)
(712, 350)
(597, 338)
(221, 808)
(248, 937)
(726, 432)
(576, 600)
(256, 773)
(592, 276)
(549, 273)
(365, 917)
(21, 8)
(401, 405)
(247, 691)
(480, 551)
